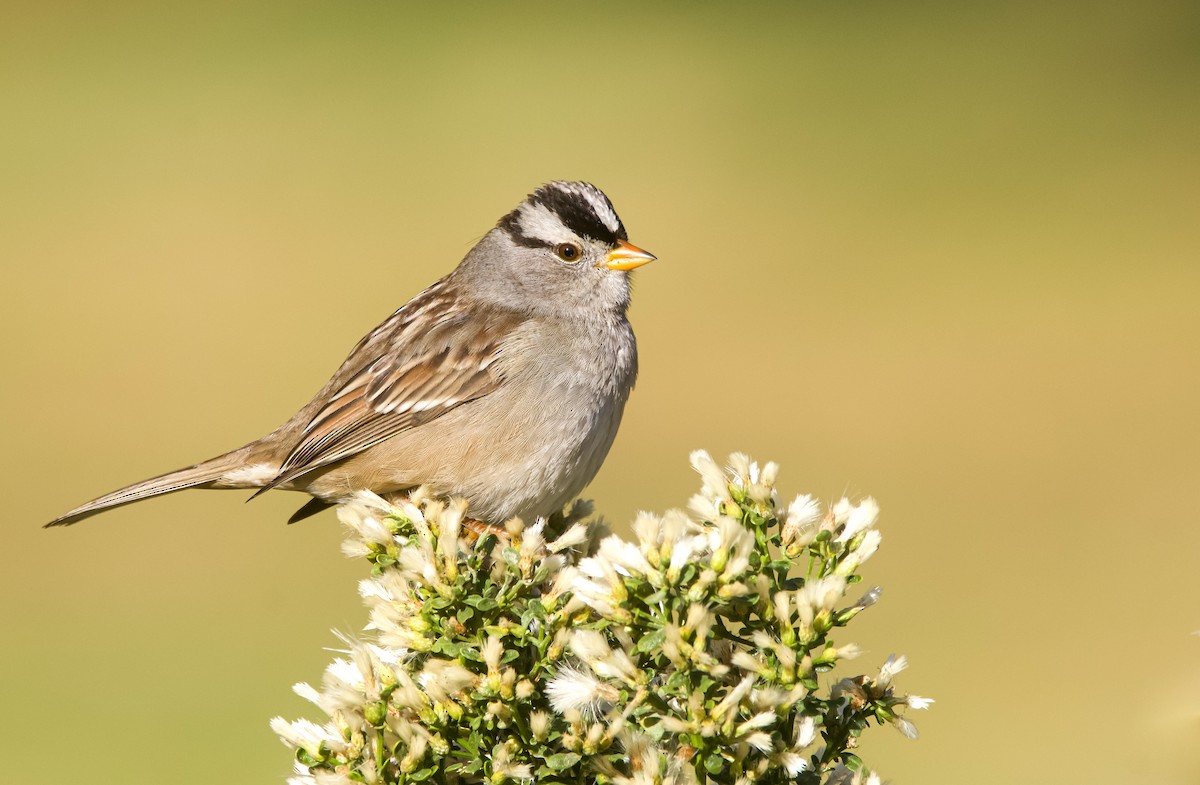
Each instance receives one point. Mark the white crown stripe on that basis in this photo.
(539, 221)
(603, 211)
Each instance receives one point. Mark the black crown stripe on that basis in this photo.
(576, 213)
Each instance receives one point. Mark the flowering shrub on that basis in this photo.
(699, 652)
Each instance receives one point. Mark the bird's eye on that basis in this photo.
(568, 252)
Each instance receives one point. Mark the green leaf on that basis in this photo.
(658, 702)
(657, 597)
(444, 645)
(304, 757)
(375, 713)
(651, 642)
(534, 611)
(484, 604)
(563, 760)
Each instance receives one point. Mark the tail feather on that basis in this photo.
(201, 475)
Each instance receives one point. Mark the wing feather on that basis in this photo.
(429, 358)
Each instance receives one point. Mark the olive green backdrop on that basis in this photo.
(944, 254)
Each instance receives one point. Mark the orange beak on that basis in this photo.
(626, 257)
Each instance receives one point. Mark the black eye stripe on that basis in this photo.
(512, 227)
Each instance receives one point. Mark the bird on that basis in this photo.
(503, 383)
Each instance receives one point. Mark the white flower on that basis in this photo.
(364, 514)
(576, 535)
(645, 762)
(355, 549)
(672, 539)
(770, 472)
(747, 661)
(602, 697)
(503, 766)
(869, 545)
(450, 525)
(418, 562)
(865, 550)
(856, 518)
(591, 647)
(649, 530)
(596, 583)
(760, 741)
(598, 596)
(799, 525)
(733, 699)
(539, 724)
(731, 544)
(304, 734)
(791, 762)
(344, 687)
(745, 472)
(493, 648)
(624, 556)
(715, 486)
(705, 508)
(819, 594)
(575, 689)
(760, 720)
(757, 485)
(306, 691)
(372, 589)
(917, 702)
(443, 679)
(323, 777)
(532, 539)
(805, 733)
(674, 724)
(782, 608)
(890, 668)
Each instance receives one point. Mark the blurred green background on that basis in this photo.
(943, 254)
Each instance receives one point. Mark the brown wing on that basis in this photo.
(428, 358)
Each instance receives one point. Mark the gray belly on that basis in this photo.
(507, 455)
(524, 450)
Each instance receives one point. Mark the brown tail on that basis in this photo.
(201, 475)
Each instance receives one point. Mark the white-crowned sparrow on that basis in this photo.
(503, 383)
